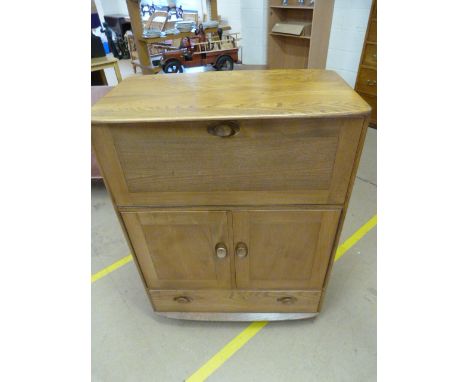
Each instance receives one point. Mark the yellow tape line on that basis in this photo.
(355, 237)
(227, 352)
(111, 268)
(248, 333)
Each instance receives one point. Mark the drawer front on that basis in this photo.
(367, 81)
(235, 301)
(372, 35)
(372, 101)
(370, 55)
(299, 161)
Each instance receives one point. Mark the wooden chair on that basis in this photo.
(157, 21)
(132, 49)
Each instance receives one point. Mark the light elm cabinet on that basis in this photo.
(232, 187)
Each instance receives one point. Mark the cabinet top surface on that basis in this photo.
(241, 94)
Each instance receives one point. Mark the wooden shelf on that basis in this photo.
(292, 7)
(152, 40)
(286, 51)
(289, 35)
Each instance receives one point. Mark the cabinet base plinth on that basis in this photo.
(205, 316)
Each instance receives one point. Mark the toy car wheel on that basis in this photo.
(225, 63)
(173, 66)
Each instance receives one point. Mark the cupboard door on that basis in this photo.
(288, 249)
(182, 249)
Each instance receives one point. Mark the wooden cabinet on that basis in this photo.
(366, 82)
(232, 201)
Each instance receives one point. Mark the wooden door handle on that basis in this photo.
(221, 250)
(241, 250)
(182, 299)
(287, 300)
(224, 129)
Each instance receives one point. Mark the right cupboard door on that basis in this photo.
(283, 249)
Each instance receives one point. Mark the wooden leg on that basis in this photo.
(102, 74)
(117, 71)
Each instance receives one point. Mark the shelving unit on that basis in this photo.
(306, 51)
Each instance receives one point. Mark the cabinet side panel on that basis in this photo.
(345, 207)
(348, 145)
(320, 36)
(106, 155)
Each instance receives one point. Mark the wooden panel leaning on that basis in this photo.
(232, 200)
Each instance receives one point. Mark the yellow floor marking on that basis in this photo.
(111, 268)
(226, 352)
(250, 331)
(355, 237)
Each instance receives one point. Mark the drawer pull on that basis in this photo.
(241, 250)
(224, 129)
(371, 82)
(182, 299)
(287, 300)
(221, 250)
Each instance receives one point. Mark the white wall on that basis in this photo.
(230, 12)
(347, 37)
(254, 31)
(111, 7)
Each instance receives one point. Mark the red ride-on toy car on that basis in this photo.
(221, 54)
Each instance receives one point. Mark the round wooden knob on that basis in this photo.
(221, 250)
(224, 129)
(182, 299)
(287, 300)
(241, 250)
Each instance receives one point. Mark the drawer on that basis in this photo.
(372, 101)
(235, 301)
(372, 34)
(367, 81)
(370, 55)
(263, 162)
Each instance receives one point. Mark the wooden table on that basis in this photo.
(101, 63)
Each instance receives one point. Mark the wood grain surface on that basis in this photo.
(286, 249)
(176, 249)
(303, 161)
(235, 300)
(229, 95)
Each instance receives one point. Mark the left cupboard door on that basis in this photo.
(182, 249)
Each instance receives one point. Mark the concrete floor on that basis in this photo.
(130, 343)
